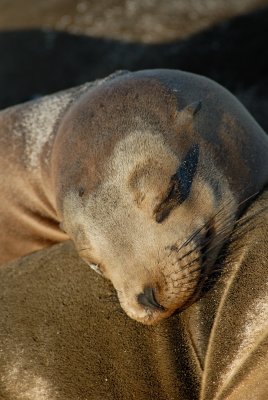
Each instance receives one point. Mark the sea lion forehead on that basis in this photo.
(130, 94)
(134, 83)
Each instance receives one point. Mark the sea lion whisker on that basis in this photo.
(248, 198)
(209, 249)
(183, 289)
(184, 286)
(188, 253)
(230, 200)
(202, 253)
(192, 237)
(176, 263)
(187, 265)
(204, 226)
(238, 205)
(237, 230)
(198, 245)
(243, 221)
(189, 280)
(226, 219)
(186, 278)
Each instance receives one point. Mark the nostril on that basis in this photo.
(147, 299)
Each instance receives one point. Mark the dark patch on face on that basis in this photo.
(180, 184)
(194, 107)
(186, 172)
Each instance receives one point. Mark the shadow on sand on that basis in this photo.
(234, 53)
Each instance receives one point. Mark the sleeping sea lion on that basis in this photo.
(147, 173)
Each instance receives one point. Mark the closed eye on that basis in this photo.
(180, 184)
(171, 201)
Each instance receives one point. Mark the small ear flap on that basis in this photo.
(190, 111)
(193, 108)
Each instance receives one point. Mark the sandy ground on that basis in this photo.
(49, 45)
(148, 21)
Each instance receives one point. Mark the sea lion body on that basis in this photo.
(28, 213)
(147, 172)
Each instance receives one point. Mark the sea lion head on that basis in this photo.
(142, 189)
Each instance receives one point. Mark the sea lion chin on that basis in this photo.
(147, 173)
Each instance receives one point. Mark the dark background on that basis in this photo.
(49, 46)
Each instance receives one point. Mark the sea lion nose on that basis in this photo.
(147, 299)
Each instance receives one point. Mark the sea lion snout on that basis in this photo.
(163, 286)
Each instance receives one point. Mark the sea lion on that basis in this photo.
(147, 173)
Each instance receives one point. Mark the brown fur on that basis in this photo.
(64, 337)
(105, 168)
